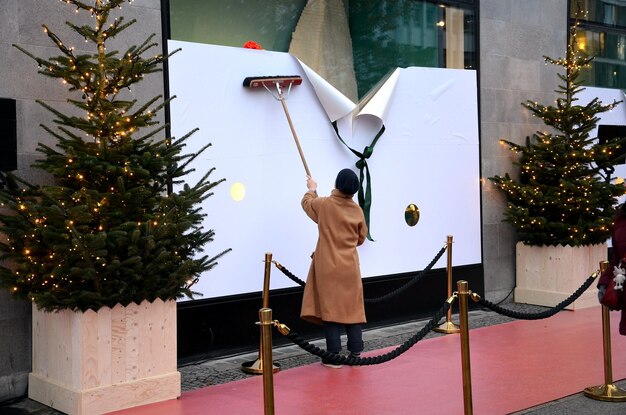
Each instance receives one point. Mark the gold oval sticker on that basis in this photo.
(412, 215)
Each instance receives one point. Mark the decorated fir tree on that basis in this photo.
(109, 229)
(564, 194)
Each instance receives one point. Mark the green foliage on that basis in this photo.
(108, 230)
(564, 194)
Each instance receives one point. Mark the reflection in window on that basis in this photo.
(608, 69)
(605, 12)
(379, 35)
(402, 33)
(602, 34)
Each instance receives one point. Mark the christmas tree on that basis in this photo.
(109, 229)
(564, 194)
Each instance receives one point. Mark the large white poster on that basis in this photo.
(428, 155)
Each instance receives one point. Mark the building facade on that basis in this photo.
(512, 38)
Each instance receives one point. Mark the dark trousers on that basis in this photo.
(333, 336)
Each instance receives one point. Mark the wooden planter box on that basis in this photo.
(547, 275)
(96, 362)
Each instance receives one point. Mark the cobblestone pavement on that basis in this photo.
(227, 369)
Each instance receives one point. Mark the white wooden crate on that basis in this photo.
(88, 363)
(547, 275)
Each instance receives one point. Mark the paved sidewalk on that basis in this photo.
(228, 369)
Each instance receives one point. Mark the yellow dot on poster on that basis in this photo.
(237, 191)
(619, 180)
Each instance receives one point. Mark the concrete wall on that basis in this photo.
(514, 37)
(21, 23)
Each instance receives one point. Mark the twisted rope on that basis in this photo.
(289, 274)
(543, 314)
(372, 360)
(393, 293)
(410, 282)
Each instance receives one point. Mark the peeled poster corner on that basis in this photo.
(334, 102)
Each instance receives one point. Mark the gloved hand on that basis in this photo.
(601, 291)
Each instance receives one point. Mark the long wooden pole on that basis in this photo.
(293, 131)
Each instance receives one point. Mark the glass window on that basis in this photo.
(605, 12)
(232, 23)
(379, 36)
(602, 34)
(390, 34)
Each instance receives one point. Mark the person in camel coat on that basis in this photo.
(333, 294)
(618, 253)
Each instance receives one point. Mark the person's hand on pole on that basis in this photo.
(311, 184)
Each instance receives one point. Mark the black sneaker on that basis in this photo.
(330, 364)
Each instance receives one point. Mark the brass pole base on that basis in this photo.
(256, 367)
(606, 393)
(447, 327)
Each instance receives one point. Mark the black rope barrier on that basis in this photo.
(393, 293)
(542, 314)
(335, 358)
(410, 282)
(288, 273)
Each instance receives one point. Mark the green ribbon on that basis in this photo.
(364, 196)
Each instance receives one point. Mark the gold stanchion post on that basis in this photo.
(448, 326)
(608, 391)
(463, 294)
(265, 317)
(256, 367)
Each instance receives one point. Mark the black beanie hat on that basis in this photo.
(347, 182)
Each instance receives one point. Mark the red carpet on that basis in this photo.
(514, 366)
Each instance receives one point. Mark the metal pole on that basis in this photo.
(266, 280)
(463, 294)
(608, 391)
(265, 317)
(606, 337)
(448, 326)
(255, 367)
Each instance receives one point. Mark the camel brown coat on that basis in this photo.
(334, 290)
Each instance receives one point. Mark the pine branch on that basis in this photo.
(106, 231)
